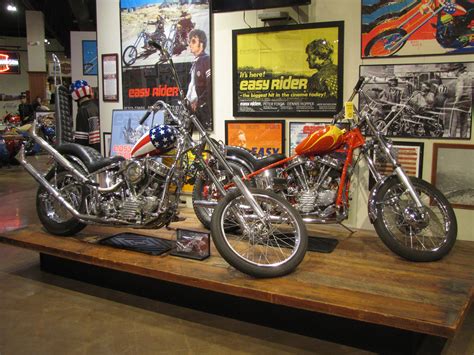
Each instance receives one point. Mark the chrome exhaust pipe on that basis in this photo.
(205, 203)
(58, 157)
(57, 195)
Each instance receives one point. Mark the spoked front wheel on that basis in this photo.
(269, 247)
(417, 234)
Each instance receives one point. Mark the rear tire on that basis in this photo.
(54, 217)
(129, 55)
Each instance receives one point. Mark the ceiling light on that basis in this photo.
(11, 8)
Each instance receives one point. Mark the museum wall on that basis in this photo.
(108, 36)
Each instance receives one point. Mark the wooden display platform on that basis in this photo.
(360, 280)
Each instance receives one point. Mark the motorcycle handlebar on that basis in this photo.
(156, 45)
(359, 83)
(145, 116)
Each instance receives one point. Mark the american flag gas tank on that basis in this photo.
(157, 141)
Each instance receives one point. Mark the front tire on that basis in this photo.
(427, 239)
(55, 217)
(382, 45)
(270, 248)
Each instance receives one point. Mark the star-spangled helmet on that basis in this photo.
(80, 89)
(158, 140)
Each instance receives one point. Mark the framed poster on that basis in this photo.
(435, 100)
(288, 71)
(110, 77)
(261, 137)
(146, 77)
(46, 118)
(89, 57)
(452, 172)
(415, 28)
(410, 156)
(9, 62)
(126, 130)
(300, 130)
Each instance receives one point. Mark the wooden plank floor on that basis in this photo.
(360, 280)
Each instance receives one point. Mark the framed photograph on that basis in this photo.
(126, 130)
(89, 57)
(288, 71)
(421, 100)
(452, 173)
(261, 137)
(107, 138)
(410, 156)
(145, 77)
(192, 244)
(110, 77)
(415, 28)
(300, 130)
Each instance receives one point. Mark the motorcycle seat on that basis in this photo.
(265, 161)
(91, 158)
(247, 155)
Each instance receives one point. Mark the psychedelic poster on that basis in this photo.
(416, 28)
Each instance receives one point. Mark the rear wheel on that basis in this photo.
(425, 234)
(269, 247)
(55, 218)
(130, 55)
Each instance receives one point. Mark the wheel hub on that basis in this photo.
(416, 217)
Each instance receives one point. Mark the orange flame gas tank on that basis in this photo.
(322, 140)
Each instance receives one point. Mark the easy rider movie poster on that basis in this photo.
(416, 27)
(146, 76)
(288, 71)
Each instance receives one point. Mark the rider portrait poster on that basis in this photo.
(288, 71)
(260, 137)
(416, 27)
(126, 130)
(146, 73)
(300, 130)
(420, 100)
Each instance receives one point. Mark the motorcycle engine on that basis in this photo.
(313, 183)
(138, 197)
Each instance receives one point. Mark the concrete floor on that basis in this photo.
(42, 313)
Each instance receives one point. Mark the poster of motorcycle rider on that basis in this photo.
(416, 27)
(420, 100)
(182, 27)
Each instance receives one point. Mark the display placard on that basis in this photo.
(110, 77)
(288, 71)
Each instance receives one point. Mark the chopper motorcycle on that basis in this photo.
(411, 216)
(82, 187)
